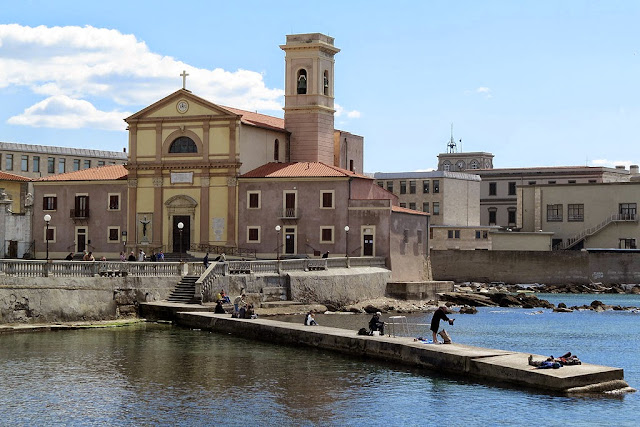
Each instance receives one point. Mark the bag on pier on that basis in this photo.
(445, 336)
(363, 331)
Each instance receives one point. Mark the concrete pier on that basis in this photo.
(476, 362)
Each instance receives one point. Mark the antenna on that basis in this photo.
(451, 145)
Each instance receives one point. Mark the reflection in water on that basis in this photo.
(151, 374)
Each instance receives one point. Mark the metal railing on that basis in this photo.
(593, 230)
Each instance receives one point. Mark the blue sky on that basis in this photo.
(539, 83)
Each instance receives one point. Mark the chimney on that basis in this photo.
(633, 169)
(620, 167)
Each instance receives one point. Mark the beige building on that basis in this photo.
(452, 199)
(38, 161)
(587, 215)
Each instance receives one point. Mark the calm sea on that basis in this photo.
(152, 374)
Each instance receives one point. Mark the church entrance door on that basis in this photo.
(186, 233)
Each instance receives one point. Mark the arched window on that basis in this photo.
(183, 144)
(446, 166)
(325, 84)
(302, 81)
(473, 164)
(276, 150)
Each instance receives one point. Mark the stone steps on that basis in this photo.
(184, 291)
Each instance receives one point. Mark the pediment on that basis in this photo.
(167, 107)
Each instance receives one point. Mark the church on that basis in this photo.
(185, 153)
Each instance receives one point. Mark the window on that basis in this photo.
(627, 244)
(419, 237)
(482, 234)
(183, 144)
(485, 234)
(493, 213)
(276, 150)
(493, 188)
(431, 233)
(325, 82)
(36, 163)
(473, 164)
(425, 187)
(627, 210)
(572, 181)
(532, 183)
(436, 208)
(551, 182)
(100, 163)
(446, 166)
(114, 201)
(592, 181)
(575, 212)
(50, 234)
(81, 207)
(403, 205)
(25, 164)
(477, 234)
(76, 164)
(326, 234)
(87, 164)
(113, 234)
(554, 213)
(425, 207)
(511, 216)
(412, 206)
(51, 165)
(60, 165)
(302, 81)
(390, 186)
(253, 200)
(403, 187)
(436, 186)
(380, 184)
(512, 188)
(253, 234)
(9, 162)
(412, 187)
(405, 236)
(326, 199)
(453, 234)
(49, 203)
(351, 167)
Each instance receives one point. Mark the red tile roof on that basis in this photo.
(5, 176)
(104, 173)
(299, 170)
(257, 119)
(408, 211)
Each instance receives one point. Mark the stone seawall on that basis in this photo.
(556, 267)
(66, 299)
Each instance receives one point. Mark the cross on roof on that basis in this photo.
(184, 79)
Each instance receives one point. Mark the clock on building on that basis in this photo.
(182, 106)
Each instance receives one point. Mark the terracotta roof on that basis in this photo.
(408, 211)
(6, 176)
(103, 173)
(257, 119)
(299, 170)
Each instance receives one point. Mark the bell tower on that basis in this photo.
(308, 105)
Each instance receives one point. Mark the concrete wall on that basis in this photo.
(555, 267)
(467, 239)
(46, 300)
(409, 258)
(257, 147)
(521, 241)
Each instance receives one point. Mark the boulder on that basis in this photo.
(562, 305)
(371, 309)
(509, 301)
(562, 310)
(465, 309)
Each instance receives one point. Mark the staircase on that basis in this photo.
(571, 242)
(184, 292)
(175, 257)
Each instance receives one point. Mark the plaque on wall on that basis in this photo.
(218, 228)
(182, 177)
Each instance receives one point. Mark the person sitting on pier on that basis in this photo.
(440, 314)
(309, 320)
(224, 297)
(375, 324)
(219, 308)
(69, 257)
(238, 302)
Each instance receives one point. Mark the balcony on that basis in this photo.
(289, 213)
(79, 213)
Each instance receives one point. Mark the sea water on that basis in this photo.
(152, 374)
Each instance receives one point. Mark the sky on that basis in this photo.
(536, 83)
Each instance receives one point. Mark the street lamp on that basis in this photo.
(180, 227)
(346, 243)
(47, 218)
(278, 228)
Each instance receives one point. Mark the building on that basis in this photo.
(312, 208)
(15, 215)
(37, 161)
(186, 152)
(87, 210)
(452, 199)
(583, 215)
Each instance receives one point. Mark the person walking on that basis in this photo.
(205, 260)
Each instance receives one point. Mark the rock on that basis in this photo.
(596, 303)
(331, 307)
(475, 300)
(635, 290)
(371, 309)
(562, 305)
(562, 310)
(617, 308)
(465, 309)
(509, 301)
(598, 308)
(354, 310)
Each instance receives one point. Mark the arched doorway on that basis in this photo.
(181, 209)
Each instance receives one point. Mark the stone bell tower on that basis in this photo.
(308, 105)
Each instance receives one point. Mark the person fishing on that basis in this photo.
(438, 315)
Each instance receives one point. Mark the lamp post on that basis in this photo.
(47, 218)
(278, 228)
(346, 243)
(180, 227)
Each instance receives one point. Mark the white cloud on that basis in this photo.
(483, 90)
(76, 68)
(353, 114)
(612, 163)
(60, 111)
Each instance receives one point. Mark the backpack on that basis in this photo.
(363, 331)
